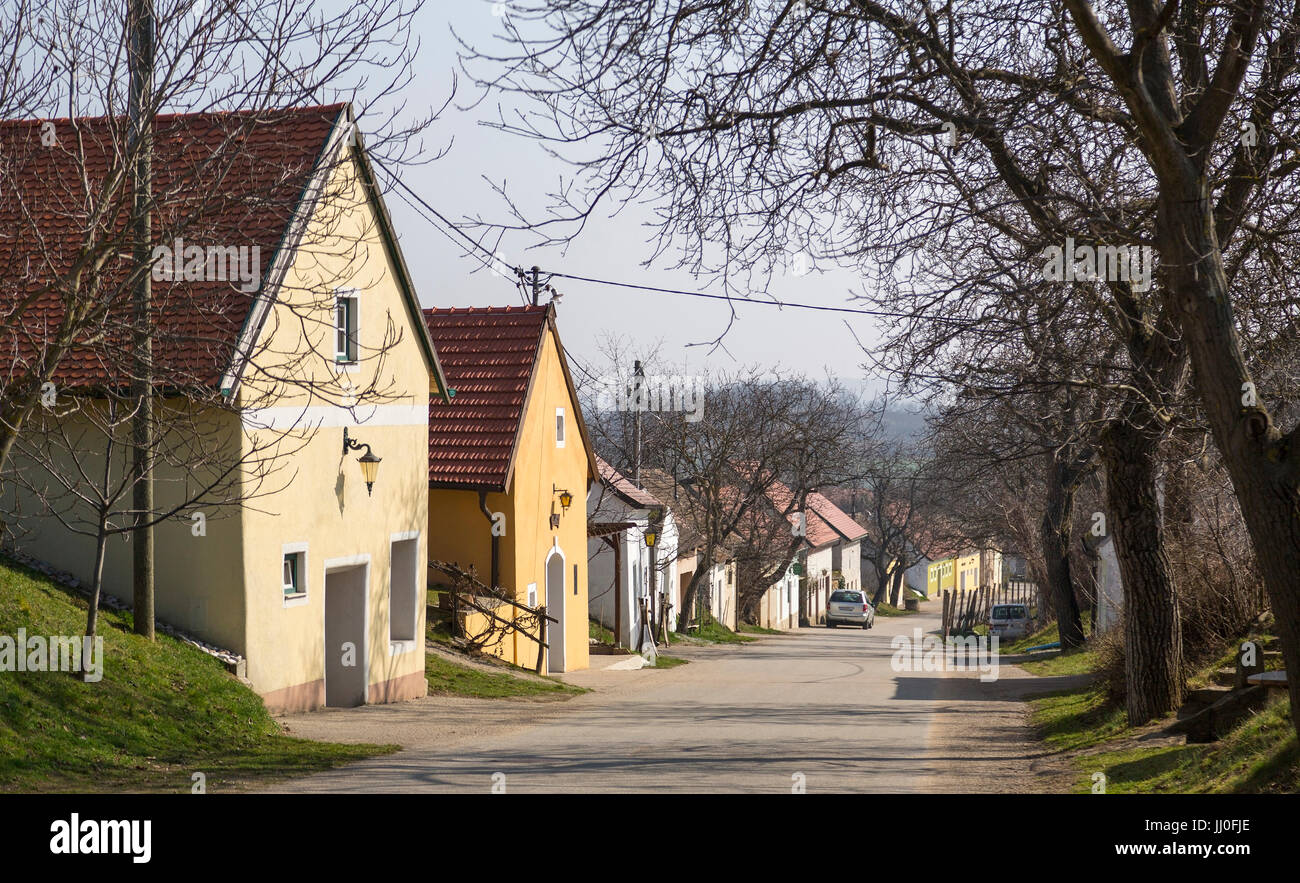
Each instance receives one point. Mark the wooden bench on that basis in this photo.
(1274, 680)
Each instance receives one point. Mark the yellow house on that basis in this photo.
(318, 582)
(969, 570)
(505, 454)
(940, 576)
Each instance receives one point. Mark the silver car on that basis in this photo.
(1009, 621)
(850, 608)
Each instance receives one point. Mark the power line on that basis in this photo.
(745, 300)
(492, 256)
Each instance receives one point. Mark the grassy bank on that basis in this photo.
(1259, 755)
(711, 631)
(450, 678)
(162, 711)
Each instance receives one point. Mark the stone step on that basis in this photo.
(1226, 677)
(1207, 695)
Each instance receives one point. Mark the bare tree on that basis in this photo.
(891, 135)
(225, 74)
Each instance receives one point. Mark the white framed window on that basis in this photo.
(293, 574)
(532, 595)
(559, 427)
(347, 309)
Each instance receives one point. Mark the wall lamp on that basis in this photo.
(369, 462)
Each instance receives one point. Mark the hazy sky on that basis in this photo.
(614, 248)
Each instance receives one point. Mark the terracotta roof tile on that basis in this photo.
(227, 179)
(487, 355)
(624, 487)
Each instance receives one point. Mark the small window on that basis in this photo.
(532, 595)
(293, 573)
(559, 427)
(345, 328)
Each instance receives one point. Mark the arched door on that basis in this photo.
(555, 609)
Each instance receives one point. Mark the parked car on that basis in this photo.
(850, 608)
(1009, 621)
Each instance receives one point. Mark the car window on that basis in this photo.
(1008, 611)
(847, 597)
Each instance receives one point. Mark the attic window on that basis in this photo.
(559, 427)
(346, 308)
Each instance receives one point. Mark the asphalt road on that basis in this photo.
(819, 709)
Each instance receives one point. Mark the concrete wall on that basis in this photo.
(818, 568)
(1110, 595)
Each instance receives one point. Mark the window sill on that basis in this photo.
(398, 648)
(295, 600)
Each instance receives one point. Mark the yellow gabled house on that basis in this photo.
(507, 452)
(314, 360)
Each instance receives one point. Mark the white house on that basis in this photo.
(625, 575)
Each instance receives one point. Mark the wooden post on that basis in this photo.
(541, 633)
(618, 588)
(455, 612)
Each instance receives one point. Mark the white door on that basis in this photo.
(555, 609)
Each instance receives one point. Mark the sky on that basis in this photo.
(614, 248)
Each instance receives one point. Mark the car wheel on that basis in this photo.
(829, 624)
(866, 625)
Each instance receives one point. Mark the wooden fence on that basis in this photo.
(963, 609)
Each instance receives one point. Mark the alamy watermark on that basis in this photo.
(71, 653)
(213, 263)
(1102, 263)
(655, 392)
(922, 652)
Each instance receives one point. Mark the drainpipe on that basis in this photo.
(496, 540)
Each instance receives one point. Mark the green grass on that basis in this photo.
(162, 712)
(1259, 756)
(662, 661)
(448, 678)
(1059, 663)
(599, 632)
(884, 609)
(1078, 718)
(748, 629)
(714, 632)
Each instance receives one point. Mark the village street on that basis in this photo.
(819, 702)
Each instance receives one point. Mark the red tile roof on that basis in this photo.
(824, 522)
(227, 179)
(488, 355)
(624, 487)
(836, 517)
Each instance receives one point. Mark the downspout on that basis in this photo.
(496, 540)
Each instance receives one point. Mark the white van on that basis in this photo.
(1009, 620)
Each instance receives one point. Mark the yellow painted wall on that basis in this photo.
(327, 505)
(196, 569)
(226, 587)
(459, 532)
(539, 467)
(940, 576)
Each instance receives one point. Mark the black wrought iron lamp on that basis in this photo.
(368, 461)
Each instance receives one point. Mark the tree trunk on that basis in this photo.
(96, 586)
(1054, 534)
(1264, 463)
(142, 431)
(685, 616)
(1153, 641)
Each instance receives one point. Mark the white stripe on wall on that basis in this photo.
(333, 416)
